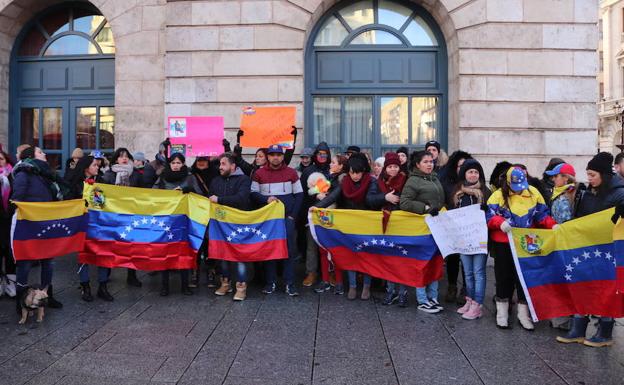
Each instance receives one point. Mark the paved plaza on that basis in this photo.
(142, 338)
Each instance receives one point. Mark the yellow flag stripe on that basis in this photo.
(274, 210)
(47, 211)
(138, 201)
(401, 223)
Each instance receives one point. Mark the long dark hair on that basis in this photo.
(417, 157)
(605, 185)
(78, 174)
(8, 159)
(119, 152)
(451, 165)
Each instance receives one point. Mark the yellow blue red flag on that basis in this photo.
(405, 252)
(44, 230)
(618, 240)
(570, 270)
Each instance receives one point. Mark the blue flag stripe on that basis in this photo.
(269, 230)
(58, 228)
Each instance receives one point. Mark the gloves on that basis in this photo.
(225, 142)
(186, 190)
(434, 212)
(239, 134)
(505, 227)
(237, 150)
(294, 131)
(619, 213)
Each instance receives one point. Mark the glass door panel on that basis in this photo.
(86, 126)
(29, 126)
(424, 119)
(93, 125)
(43, 123)
(358, 124)
(106, 128)
(394, 123)
(52, 129)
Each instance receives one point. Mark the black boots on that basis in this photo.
(52, 302)
(132, 279)
(103, 293)
(85, 291)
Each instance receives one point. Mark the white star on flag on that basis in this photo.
(135, 223)
(48, 227)
(568, 277)
(233, 234)
(54, 225)
(264, 236)
(167, 228)
(597, 253)
(365, 244)
(170, 236)
(123, 235)
(144, 221)
(586, 255)
(239, 230)
(576, 260)
(153, 221)
(608, 256)
(569, 268)
(39, 234)
(374, 241)
(404, 252)
(246, 229)
(391, 244)
(229, 239)
(382, 242)
(161, 224)
(128, 228)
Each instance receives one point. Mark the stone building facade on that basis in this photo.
(519, 75)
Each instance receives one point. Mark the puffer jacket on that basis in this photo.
(422, 190)
(35, 181)
(590, 202)
(232, 191)
(526, 210)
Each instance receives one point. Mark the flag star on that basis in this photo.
(254, 230)
(240, 230)
(48, 227)
(123, 235)
(569, 267)
(43, 231)
(365, 244)
(586, 255)
(233, 234)
(167, 228)
(128, 228)
(404, 252)
(382, 242)
(614, 264)
(374, 241)
(135, 223)
(391, 244)
(39, 234)
(264, 236)
(246, 229)
(170, 236)
(608, 256)
(153, 221)
(68, 232)
(568, 277)
(597, 253)
(358, 247)
(161, 223)
(576, 260)
(144, 221)
(54, 225)
(229, 239)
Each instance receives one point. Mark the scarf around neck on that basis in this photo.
(395, 183)
(122, 173)
(355, 193)
(473, 190)
(557, 191)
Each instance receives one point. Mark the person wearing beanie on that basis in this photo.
(471, 189)
(515, 204)
(403, 153)
(385, 195)
(352, 150)
(605, 190)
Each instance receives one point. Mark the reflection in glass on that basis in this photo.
(394, 120)
(331, 33)
(326, 120)
(53, 128)
(105, 39)
(419, 33)
(358, 14)
(376, 37)
(70, 45)
(424, 119)
(107, 127)
(29, 126)
(86, 127)
(86, 21)
(359, 120)
(56, 22)
(393, 14)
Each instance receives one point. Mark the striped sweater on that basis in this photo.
(282, 183)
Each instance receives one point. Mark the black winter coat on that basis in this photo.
(232, 191)
(590, 202)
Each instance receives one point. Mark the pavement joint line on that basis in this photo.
(545, 362)
(225, 313)
(318, 313)
(461, 350)
(383, 333)
(244, 338)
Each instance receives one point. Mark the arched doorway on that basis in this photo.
(63, 83)
(376, 77)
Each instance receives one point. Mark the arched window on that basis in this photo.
(376, 77)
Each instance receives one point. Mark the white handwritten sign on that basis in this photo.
(460, 231)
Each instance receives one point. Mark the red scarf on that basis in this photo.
(395, 183)
(355, 193)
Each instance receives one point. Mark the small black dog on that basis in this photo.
(33, 299)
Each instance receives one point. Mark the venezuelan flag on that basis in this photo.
(406, 253)
(618, 241)
(144, 229)
(247, 236)
(44, 230)
(570, 270)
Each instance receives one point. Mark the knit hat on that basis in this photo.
(307, 152)
(432, 143)
(139, 156)
(27, 153)
(353, 149)
(601, 162)
(517, 179)
(359, 163)
(77, 153)
(470, 164)
(391, 158)
(404, 150)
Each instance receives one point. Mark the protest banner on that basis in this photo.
(264, 126)
(196, 135)
(460, 231)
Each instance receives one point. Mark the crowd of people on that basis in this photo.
(421, 182)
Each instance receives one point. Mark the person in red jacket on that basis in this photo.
(515, 204)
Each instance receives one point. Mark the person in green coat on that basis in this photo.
(423, 194)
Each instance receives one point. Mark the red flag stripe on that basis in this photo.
(34, 249)
(139, 256)
(251, 252)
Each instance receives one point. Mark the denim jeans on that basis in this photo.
(102, 273)
(240, 267)
(352, 279)
(289, 264)
(23, 269)
(424, 294)
(390, 287)
(474, 269)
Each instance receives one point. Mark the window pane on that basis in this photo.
(376, 37)
(326, 120)
(85, 127)
(394, 120)
(331, 33)
(29, 126)
(359, 120)
(424, 119)
(393, 14)
(32, 43)
(56, 22)
(105, 40)
(107, 127)
(86, 21)
(53, 128)
(71, 45)
(419, 33)
(358, 14)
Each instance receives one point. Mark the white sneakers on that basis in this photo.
(7, 285)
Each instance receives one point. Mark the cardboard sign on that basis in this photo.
(264, 126)
(196, 135)
(460, 231)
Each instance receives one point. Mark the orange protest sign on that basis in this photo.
(264, 126)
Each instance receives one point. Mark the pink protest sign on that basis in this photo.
(196, 135)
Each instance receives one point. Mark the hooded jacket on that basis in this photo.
(233, 190)
(422, 190)
(590, 202)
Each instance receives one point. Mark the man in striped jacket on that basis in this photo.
(276, 181)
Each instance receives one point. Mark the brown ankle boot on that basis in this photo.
(365, 293)
(309, 280)
(241, 291)
(225, 287)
